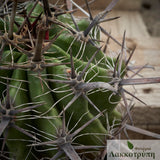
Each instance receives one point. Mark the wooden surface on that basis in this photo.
(131, 21)
(147, 52)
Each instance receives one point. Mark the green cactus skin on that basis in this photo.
(6, 58)
(37, 88)
(104, 75)
(17, 142)
(78, 108)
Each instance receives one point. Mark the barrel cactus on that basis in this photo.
(58, 89)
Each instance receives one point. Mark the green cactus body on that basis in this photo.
(4, 74)
(50, 125)
(79, 109)
(104, 100)
(17, 142)
(4, 24)
(103, 75)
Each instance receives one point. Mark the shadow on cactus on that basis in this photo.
(59, 90)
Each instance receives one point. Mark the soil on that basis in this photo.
(150, 11)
